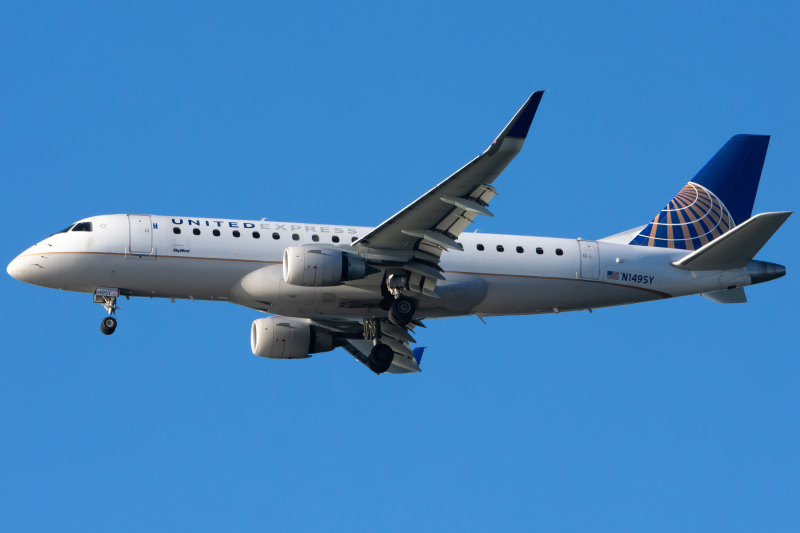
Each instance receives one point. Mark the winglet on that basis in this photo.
(520, 124)
(418, 354)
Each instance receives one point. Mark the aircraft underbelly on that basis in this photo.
(162, 276)
(531, 295)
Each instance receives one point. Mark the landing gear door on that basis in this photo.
(141, 234)
(590, 260)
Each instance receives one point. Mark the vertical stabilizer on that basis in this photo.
(718, 198)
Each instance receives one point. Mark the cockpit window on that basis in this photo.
(83, 226)
(64, 230)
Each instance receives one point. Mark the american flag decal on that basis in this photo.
(612, 275)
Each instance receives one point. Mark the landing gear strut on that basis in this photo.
(109, 323)
(402, 311)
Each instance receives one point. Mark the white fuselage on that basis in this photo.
(144, 256)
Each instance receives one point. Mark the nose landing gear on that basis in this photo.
(109, 324)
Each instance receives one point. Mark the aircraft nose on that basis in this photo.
(15, 269)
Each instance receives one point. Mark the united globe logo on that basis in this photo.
(695, 217)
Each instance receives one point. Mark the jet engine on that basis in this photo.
(309, 266)
(278, 337)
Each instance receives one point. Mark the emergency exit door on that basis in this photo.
(141, 234)
(590, 260)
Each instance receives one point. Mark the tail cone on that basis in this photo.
(761, 271)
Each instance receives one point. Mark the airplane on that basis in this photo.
(368, 289)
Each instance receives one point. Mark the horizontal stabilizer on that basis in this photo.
(730, 296)
(737, 247)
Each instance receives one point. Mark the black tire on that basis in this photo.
(402, 311)
(380, 358)
(108, 325)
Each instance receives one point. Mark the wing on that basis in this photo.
(435, 220)
(357, 339)
(400, 365)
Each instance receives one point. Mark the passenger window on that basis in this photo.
(315, 238)
(520, 249)
(215, 233)
(295, 237)
(196, 231)
(539, 251)
(480, 247)
(354, 239)
(335, 238)
(559, 251)
(500, 248)
(236, 233)
(256, 235)
(276, 236)
(176, 231)
(83, 226)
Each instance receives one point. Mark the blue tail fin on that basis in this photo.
(720, 196)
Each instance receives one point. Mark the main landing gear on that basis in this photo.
(380, 358)
(402, 311)
(390, 346)
(391, 339)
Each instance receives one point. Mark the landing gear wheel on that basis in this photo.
(108, 325)
(402, 311)
(380, 358)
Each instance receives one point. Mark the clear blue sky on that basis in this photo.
(676, 415)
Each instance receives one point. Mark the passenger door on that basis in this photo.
(590, 260)
(141, 234)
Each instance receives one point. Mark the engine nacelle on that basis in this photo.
(278, 337)
(309, 266)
